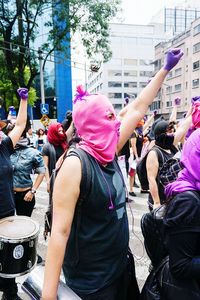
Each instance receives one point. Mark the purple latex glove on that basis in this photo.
(23, 93)
(172, 58)
(194, 99)
(177, 101)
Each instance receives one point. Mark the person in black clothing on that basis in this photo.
(182, 222)
(7, 205)
(163, 150)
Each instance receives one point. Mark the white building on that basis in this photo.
(130, 67)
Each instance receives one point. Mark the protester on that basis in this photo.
(100, 271)
(54, 148)
(182, 223)
(41, 140)
(7, 205)
(26, 161)
(32, 137)
(165, 148)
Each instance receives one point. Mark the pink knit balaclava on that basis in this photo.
(95, 121)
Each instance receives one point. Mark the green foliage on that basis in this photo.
(20, 25)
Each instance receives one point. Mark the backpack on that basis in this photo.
(142, 170)
(84, 187)
(153, 232)
(170, 170)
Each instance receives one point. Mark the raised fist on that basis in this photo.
(177, 101)
(172, 58)
(195, 99)
(23, 93)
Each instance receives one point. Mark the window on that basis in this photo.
(197, 29)
(130, 62)
(114, 84)
(195, 83)
(169, 103)
(196, 65)
(130, 84)
(145, 73)
(114, 73)
(131, 96)
(169, 75)
(178, 72)
(168, 89)
(145, 62)
(177, 87)
(145, 41)
(196, 48)
(130, 73)
(117, 106)
(142, 84)
(115, 95)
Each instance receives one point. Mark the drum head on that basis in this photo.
(18, 227)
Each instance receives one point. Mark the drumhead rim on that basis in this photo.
(32, 235)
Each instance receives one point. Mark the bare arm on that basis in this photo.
(65, 196)
(136, 110)
(148, 122)
(47, 176)
(182, 130)
(20, 124)
(173, 116)
(152, 166)
(29, 195)
(133, 145)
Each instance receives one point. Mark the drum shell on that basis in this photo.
(32, 286)
(10, 266)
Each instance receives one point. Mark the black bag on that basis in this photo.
(169, 171)
(161, 285)
(152, 289)
(153, 233)
(142, 170)
(85, 183)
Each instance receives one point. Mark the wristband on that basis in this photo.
(33, 191)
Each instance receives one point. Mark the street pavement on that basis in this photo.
(135, 210)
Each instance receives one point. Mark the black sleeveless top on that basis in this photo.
(97, 254)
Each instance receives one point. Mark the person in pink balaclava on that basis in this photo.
(95, 257)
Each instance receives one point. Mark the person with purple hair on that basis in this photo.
(182, 222)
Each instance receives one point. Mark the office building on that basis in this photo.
(130, 67)
(183, 80)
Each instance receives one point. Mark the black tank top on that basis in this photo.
(97, 255)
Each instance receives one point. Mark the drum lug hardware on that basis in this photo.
(1, 246)
(0, 267)
(29, 264)
(31, 244)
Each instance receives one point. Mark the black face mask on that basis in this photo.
(165, 141)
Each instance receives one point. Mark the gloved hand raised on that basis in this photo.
(23, 93)
(172, 58)
(177, 101)
(195, 99)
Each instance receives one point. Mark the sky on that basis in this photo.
(141, 11)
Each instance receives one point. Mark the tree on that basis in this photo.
(19, 28)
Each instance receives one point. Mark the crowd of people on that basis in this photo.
(90, 235)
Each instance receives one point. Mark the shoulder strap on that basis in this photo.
(86, 171)
(160, 154)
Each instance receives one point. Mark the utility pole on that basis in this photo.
(41, 76)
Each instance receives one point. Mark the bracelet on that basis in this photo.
(33, 191)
